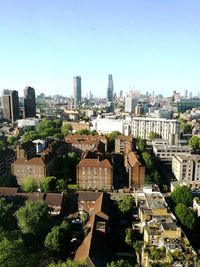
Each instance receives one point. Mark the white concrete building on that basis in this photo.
(142, 126)
(166, 152)
(130, 104)
(108, 125)
(186, 168)
(33, 122)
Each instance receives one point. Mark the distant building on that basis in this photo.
(77, 126)
(77, 91)
(142, 126)
(110, 89)
(10, 101)
(94, 174)
(29, 102)
(130, 104)
(31, 122)
(186, 168)
(107, 125)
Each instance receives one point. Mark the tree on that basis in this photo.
(11, 140)
(128, 237)
(69, 263)
(194, 142)
(30, 136)
(125, 205)
(66, 129)
(83, 131)
(57, 239)
(29, 185)
(8, 180)
(141, 144)
(148, 160)
(6, 214)
(12, 253)
(2, 146)
(153, 135)
(119, 263)
(186, 128)
(48, 184)
(186, 216)
(33, 217)
(182, 194)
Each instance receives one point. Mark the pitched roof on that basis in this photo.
(95, 238)
(32, 161)
(55, 199)
(132, 159)
(94, 163)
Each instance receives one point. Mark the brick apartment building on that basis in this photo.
(121, 141)
(81, 143)
(94, 174)
(27, 165)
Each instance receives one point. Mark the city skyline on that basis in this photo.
(146, 46)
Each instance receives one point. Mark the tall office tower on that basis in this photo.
(77, 91)
(120, 94)
(10, 101)
(110, 89)
(29, 102)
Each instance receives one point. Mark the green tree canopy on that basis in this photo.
(119, 263)
(11, 140)
(2, 145)
(141, 144)
(194, 142)
(33, 217)
(48, 184)
(186, 216)
(12, 253)
(148, 160)
(47, 127)
(7, 219)
(57, 239)
(30, 136)
(125, 205)
(69, 263)
(153, 135)
(29, 184)
(66, 129)
(182, 194)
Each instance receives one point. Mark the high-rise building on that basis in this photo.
(29, 102)
(77, 91)
(10, 101)
(130, 104)
(110, 89)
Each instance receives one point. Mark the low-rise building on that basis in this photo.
(94, 174)
(18, 199)
(186, 168)
(166, 152)
(93, 248)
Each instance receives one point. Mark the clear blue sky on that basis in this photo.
(146, 44)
